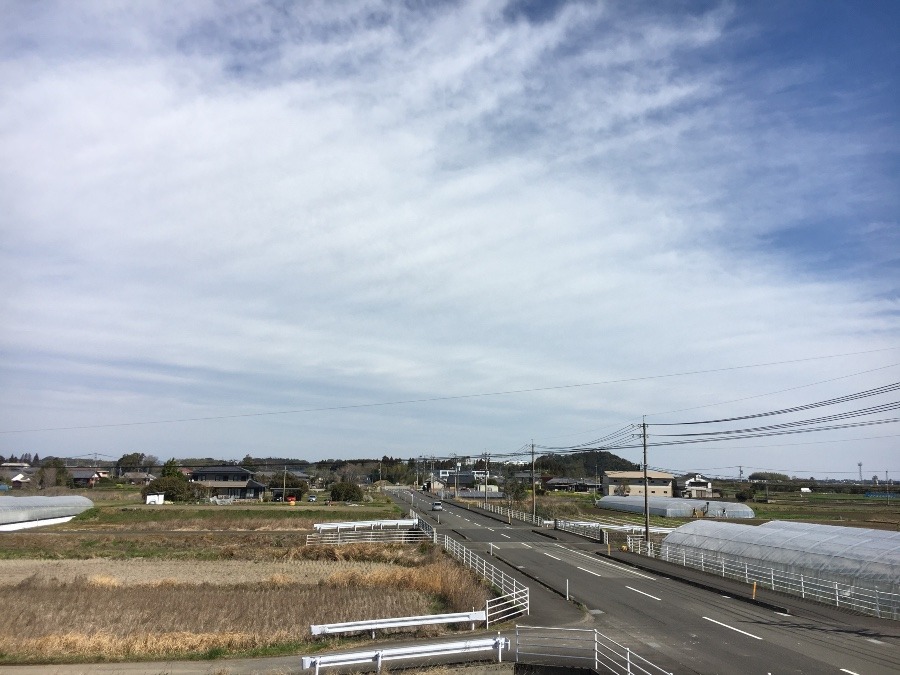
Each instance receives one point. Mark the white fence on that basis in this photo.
(368, 537)
(581, 646)
(589, 531)
(518, 515)
(397, 622)
(377, 656)
(867, 600)
(515, 597)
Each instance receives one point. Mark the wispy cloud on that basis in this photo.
(231, 208)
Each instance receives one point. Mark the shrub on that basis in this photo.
(346, 492)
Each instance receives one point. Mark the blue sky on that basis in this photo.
(226, 210)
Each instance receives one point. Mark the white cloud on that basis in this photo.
(383, 204)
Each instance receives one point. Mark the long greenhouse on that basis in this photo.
(676, 507)
(847, 566)
(18, 513)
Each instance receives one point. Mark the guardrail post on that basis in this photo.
(802, 587)
(378, 659)
(837, 597)
(628, 660)
(499, 648)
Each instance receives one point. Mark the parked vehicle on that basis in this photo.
(311, 498)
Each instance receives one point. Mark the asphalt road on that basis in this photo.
(677, 626)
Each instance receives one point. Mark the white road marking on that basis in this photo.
(782, 614)
(877, 642)
(642, 593)
(551, 556)
(755, 637)
(603, 562)
(525, 545)
(844, 670)
(489, 529)
(505, 535)
(589, 572)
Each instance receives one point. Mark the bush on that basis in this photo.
(175, 489)
(744, 495)
(346, 492)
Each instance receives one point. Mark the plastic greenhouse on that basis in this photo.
(676, 507)
(19, 512)
(846, 566)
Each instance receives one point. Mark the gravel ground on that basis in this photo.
(138, 571)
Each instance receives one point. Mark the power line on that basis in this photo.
(434, 399)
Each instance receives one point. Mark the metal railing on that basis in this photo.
(582, 529)
(515, 597)
(855, 596)
(372, 625)
(582, 646)
(512, 513)
(336, 537)
(377, 656)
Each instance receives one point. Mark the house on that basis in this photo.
(659, 483)
(20, 480)
(693, 486)
(556, 484)
(229, 481)
(84, 478)
(138, 477)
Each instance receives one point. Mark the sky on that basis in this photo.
(341, 230)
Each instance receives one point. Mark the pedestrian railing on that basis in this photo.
(337, 537)
(858, 596)
(514, 514)
(582, 529)
(372, 625)
(377, 656)
(515, 597)
(578, 646)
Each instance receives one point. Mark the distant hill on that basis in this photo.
(583, 464)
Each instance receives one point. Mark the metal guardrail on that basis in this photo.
(518, 515)
(366, 525)
(377, 656)
(591, 648)
(397, 622)
(858, 597)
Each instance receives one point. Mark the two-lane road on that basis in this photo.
(668, 621)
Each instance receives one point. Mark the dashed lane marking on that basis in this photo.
(552, 556)
(738, 630)
(596, 574)
(642, 593)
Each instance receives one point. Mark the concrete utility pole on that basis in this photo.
(487, 472)
(646, 489)
(533, 488)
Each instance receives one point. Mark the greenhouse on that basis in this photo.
(18, 513)
(839, 565)
(677, 507)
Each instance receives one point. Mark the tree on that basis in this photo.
(346, 492)
(172, 469)
(53, 474)
(770, 476)
(623, 490)
(130, 462)
(292, 484)
(175, 489)
(515, 491)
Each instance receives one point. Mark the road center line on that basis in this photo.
(596, 574)
(725, 625)
(844, 670)
(603, 562)
(525, 545)
(551, 556)
(642, 593)
(505, 535)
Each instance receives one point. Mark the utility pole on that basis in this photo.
(284, 486)
(487, 472)
(646, 489)
(533, 488)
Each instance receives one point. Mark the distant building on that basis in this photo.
(693, 486)
(229, 481)
(631, 483)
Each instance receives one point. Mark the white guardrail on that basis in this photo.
(518, 515)
(397, 622)
(860, 598)
(377, 656)
(591, 648)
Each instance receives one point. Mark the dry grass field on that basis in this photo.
(109, 588)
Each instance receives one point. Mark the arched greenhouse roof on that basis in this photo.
(30, 509)
(824, 551)
(676, 507)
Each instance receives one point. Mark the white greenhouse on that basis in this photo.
(18, 513)
(846, 566)
(676, 507)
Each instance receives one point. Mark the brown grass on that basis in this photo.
(102, 617)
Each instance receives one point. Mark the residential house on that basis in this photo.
(693, 486)
(84, 478)
(229, 481)
(631, 483)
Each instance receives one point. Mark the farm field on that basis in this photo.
(131, 583)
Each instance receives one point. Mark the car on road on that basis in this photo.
(437, 506)
(311, 498)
